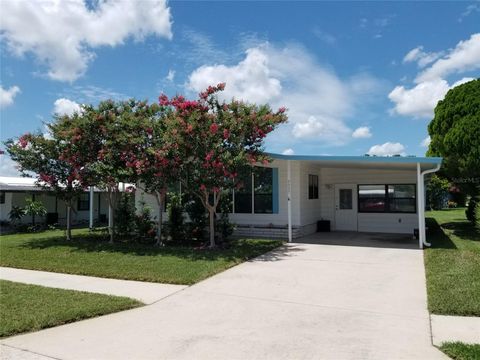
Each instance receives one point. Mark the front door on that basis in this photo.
(345, 207)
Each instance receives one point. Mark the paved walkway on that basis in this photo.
(303, 301)
(145, 292)
(455, 328)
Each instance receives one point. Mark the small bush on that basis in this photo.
(196, 228)
(144, 225)
(176, 219)
(471, 209)
(125, 216)
(224, 227)
(452, 204)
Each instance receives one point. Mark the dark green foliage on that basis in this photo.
(125, 215)
(176, 219)
(472, 207)
(455, 134)
(437, 191)
(224, 227)
(198, 219)
(144, 225)
(15, 214)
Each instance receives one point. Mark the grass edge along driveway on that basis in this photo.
(461, 351)
(452, 264)
(25, 307)
(91, 255)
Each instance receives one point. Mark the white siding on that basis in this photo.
(390, 223)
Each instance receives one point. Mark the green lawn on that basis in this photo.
(461, 351)
(30, 307)
(91, 255)
(452, 264)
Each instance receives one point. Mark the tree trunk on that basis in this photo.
(211, 212)
(69, 226)
(110, 216)
(160, 200)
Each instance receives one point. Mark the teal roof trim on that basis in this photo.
(363, 159)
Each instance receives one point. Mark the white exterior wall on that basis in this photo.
(367, 222)
(278, 219)
(306, 212)
(48, 200)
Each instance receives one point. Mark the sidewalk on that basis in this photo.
(145, 292)
(455, 328)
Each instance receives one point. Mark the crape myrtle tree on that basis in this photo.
(455, 134)
(150, 158)
(45, 158)
(213, 141)
(101, 137)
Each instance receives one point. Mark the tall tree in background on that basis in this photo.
(455, 135)
(45, 157)
(213, 141)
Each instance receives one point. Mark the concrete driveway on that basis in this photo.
(302, 301)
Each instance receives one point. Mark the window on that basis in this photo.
(346, 199)
(259, 193)
(243, 196)
(371, 198)
(2, 197)
(401, 198)
(263, 190)
(398, 198)
(313, 186)
(83, 202)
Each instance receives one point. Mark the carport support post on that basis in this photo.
(289, 200)
(90, 224)
(420, 207)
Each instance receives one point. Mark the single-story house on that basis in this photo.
(14, 191)
(296, 195)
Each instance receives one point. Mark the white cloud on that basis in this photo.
(426, 142)
(421, 57)
(362, 132)
(470, 9)
(318, 101)
(62, 34)
(288, 151)
(8, 167)
(464, 57)
(420, 101)
(170, 76)
(66, 107)
(430, 85)
(7, 96)
(387, 149)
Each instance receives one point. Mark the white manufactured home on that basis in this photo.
(295, 196)
(89, 207)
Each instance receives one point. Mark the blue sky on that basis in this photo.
(357, 77)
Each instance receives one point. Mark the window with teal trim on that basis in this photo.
(243, 196)
(263, 191)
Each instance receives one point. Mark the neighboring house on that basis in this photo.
(287, 198)
(14, 191)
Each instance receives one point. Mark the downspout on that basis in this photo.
(422, 232)
(289, 200)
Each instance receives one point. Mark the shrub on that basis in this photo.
(125, 215)
(176, 219)
(437, 192)
(16, 214)
(198, 219)
(144, 225)
(224, 227)
(452, 204)
(34, 208)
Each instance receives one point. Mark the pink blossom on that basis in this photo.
(213, 128)
(203, 187)
(226, 134)
(216, 189)
(209, 156)
(282, 109)
(163, 100)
